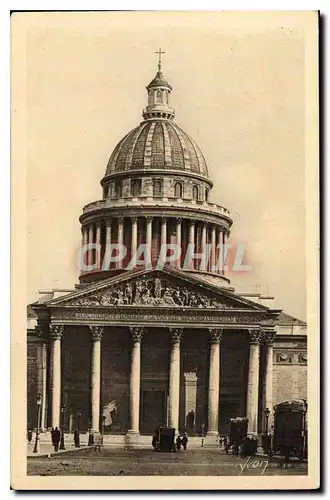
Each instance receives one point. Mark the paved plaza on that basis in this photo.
(110, 462)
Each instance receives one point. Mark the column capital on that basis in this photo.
(254, 337)
(97, 332)
(108, 222)
(178, 220)
(134, 219)
(148, 218)
(137, 333)
(268, 337)
(56, 331)
(120, 220)
(42, 330)
(177, 334)
(163, 220)
(216, 335)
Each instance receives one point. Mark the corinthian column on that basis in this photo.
(42, 331)
(107, 243)
(174, 381)
(214, 382)
(191, 242)
(90, 242)
(179, 239)
(134, 396)
(253, 382)
(97, 332)
(203, 261)
(213, 249)
(149, 235)
(134, 237)
(98, 249)
(119, 264)
(163, 237)
(55, 335)
(269, 339)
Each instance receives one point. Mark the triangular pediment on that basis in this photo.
(168, 287)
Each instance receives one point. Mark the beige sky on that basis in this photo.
(238, 90)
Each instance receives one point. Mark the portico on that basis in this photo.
(124, 333)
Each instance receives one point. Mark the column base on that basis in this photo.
(211, 440)
(132, 439)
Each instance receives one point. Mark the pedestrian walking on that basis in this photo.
(29, 435)
(57, 438)
(184, 441)
(178, 443)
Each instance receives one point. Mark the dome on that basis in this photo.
(157, 144)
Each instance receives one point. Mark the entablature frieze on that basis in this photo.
(158, 212)
(175, 317)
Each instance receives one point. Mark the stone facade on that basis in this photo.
(130, 349)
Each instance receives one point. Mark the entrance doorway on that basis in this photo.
(153, 410)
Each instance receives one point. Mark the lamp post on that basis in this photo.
(90, 434)
(62, 445)
(36, 444)
(203, 434)
(78, 429)
(266, 439)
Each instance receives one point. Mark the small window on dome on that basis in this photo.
(166, 97)
(195, 193)
(157, 188)
(118, 189)
(178, 190)
(207, 191)
(159, 96)
(136, 187)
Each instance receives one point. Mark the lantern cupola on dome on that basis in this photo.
(158, 96)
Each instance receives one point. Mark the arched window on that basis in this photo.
(195, 192)
(207, 191)
(136, 187)
(118, 189)
(178, 190)
(157, 188)
(159, 96)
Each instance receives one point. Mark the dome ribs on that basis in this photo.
(139, 149)
(129, 157)
(186, 155)
(176, 149)
(167, 147)
(121, 159)
(157, 148)
(201, 163)
(148, 148)
(111, 167)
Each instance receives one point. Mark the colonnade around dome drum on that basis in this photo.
(154, 232)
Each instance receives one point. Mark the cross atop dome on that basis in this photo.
(159, 52)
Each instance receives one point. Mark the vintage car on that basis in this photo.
(237, 433)
(163, 439)
(290, 430)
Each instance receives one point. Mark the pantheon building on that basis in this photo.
(131, 347)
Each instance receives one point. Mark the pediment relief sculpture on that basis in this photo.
(150, 292)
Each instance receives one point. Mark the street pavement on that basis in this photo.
(196, 462)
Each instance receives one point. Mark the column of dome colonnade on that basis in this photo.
(203, 238)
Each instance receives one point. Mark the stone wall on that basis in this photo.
(168, 186)
(290, 370)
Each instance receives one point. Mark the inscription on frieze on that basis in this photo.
(108, 315)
